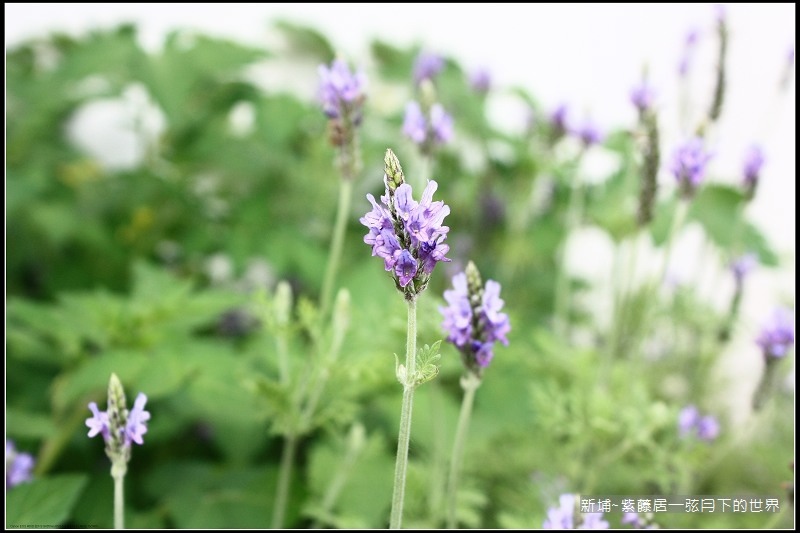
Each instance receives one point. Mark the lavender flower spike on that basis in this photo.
(563, 516)
(340, 89)
(689, 165)
(742, 266)
(427, 131)
(754, 160)
(642, 97)
(690, 422)
(407, 235)
(427, 66)
(473, 320)
(480, 80)
(589, 134)
(118, 426)
(777, 335)
(18, 465)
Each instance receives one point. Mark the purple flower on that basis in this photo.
(632, 519)
(593, 521)
(132, 431)
(340, 90)
(426, 66)
(414, 124)
(642, 96)
(689, 44)
(777, 334)
(136, 428)
(98, 423)
(589, 133)
(18, 465)
(707, 428)
(563, 516)
(437, 128)
(480, 80)
(689, 165)
(690, 422)
(558, 120)
(473, 320)
(753, 162)
(742, 266)
(687, 420)
(408, 236)
(441, 124)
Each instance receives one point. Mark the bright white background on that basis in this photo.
(588, 56)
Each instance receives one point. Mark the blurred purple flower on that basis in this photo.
(707, 428)
(558, 120)
(589, 133)
(690, 422)
(473, 319)
(741, 266)
(632, 519)
(753, 161)
(689, 162)
(643, 96)
(688, 49)
(339, 88)
(777, 334)
(563, 516)
(593, 521)
(135, 427)
(426, 66)
(438, 129)
(480, 80)
(18, 465)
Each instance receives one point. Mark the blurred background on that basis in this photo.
(586, 56)
(168, 165)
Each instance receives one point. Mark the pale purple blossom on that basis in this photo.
(741, 266)
(474, 327)
(559, 120)
(407, 235)
(643, 96)
(689, 163)
(134, 429)
(589, 133)
(480, 80)
(436, 128)
(563, 516)
(340, 88)
(631, 518)
(777, 334)
(18, 465)
(427, 66)
(753, 161)
(593, 521)
(688, 51)
(690, 422)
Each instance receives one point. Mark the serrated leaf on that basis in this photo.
(43, 503)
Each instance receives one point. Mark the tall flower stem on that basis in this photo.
(470, 383)
(339, 228)
(409, 383)
(574, 209)
(284, 480)
(118, 468)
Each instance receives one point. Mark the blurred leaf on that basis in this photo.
(30, 425)
(306, 40)
(43, 503)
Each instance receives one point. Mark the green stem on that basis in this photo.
(470, 384)
(337, 483)
(119, 503)
(404, 436)
(345, 190)
(284, 480)
(119, 467)
(681, 211)
(574, 209)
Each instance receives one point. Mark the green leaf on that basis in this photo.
(306, 40)
(43, 503)
(25, 424)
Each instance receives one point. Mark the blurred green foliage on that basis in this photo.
(112, 269)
